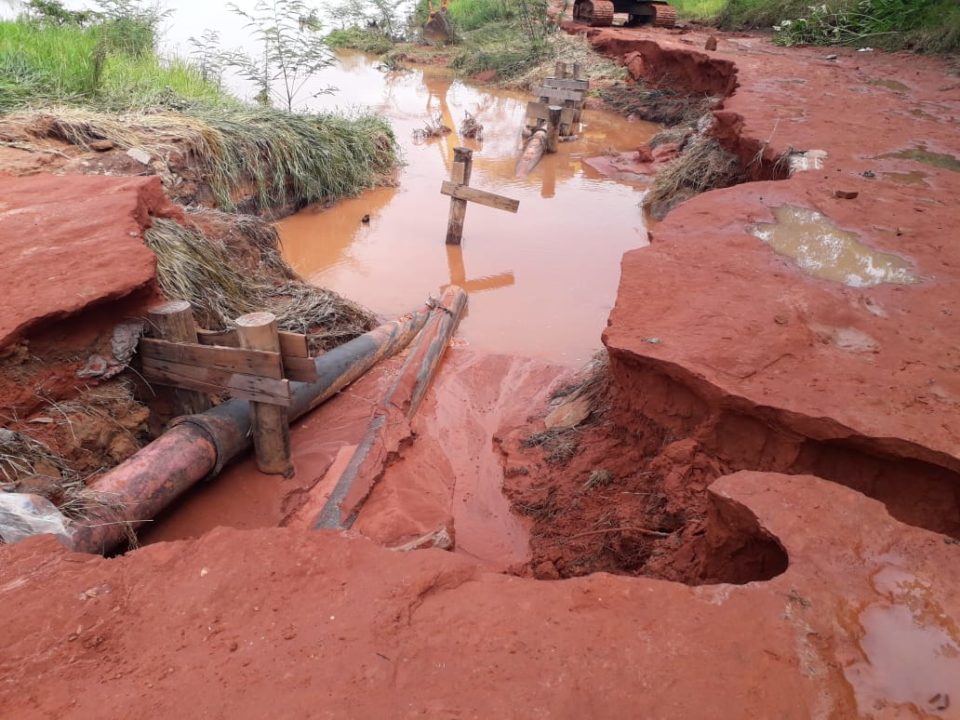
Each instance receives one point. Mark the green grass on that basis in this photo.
(922, 25)
(43, 64)
(147, 82)
(365, 39)
(88, 89)
(501, 47)
(698, 9)
(51, 61)
(470, 15)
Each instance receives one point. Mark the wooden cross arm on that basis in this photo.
(481, 197)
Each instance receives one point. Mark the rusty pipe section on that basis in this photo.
(199, 446)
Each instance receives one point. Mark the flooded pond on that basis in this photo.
(541, 282)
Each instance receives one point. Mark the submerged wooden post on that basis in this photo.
(173, 321)
(553, 128)
(271, 427)
(459, 175)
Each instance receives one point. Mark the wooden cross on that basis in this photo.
(460, 192)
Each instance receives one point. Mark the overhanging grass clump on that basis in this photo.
(242, 272)
(702, 165)
(289, 160)
(659, 105)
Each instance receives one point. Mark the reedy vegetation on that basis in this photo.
(101, 78)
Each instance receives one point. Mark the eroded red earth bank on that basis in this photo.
(736, 377)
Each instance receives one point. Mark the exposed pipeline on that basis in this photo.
(199, 446)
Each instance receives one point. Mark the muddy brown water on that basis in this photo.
(823, 250)
(542, 281)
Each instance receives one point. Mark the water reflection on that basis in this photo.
(542, 280)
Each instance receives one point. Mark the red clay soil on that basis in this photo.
(724, 356)
(777, 346)
(243, 624)
(71, 242)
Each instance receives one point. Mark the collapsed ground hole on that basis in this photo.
(625, 491)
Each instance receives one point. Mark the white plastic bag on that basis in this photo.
(23, 515)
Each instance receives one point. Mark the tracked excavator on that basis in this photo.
(600, 12)
(438, 29)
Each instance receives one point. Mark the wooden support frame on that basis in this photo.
(294, 351)
(254, 361)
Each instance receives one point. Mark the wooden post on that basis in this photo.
(459, 175)
(578, 107)
(173, 321)
(271, 427)
(560, 70)
(553, 128)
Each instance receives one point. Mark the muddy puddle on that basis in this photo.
(541, 281)
(820, 248)
(921, 154)
(909, 653)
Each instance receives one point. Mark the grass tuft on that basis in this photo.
(702, 165)
(659, 105)
(222, 282)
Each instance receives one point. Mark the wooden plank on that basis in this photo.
(554, 95)
(250, 362)
(215, 382)
(300, 369)
(539, 111)
(293, 344)
(481, 197)
(222, 338)
(565, 84)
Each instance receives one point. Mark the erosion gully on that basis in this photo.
(541, 282)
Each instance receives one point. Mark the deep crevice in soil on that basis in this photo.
(632, 498)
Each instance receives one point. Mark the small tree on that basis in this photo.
(207, 56)
(292, 50)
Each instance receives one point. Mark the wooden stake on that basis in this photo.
(173, 321)
(553, 128)
(577, 74)
(459, 175)
(271, 427)
(560, 70)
